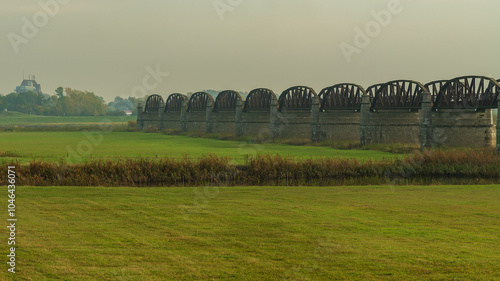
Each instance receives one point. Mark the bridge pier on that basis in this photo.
(365, 120)
(274, 119)
(183, 119)
(315, 125)
(140, 117)
(426, 122)
(161, 111)
(238, 132)
(209, 123)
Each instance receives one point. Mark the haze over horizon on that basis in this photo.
(107, 48)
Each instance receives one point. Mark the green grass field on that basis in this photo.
(54, 146)
(11, 118)
(258, 233)
(237, 233)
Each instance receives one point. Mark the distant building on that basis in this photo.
(128, 112)
(29, 85)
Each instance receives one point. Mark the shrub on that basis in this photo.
(172, 132)
(152, 129)
(9, 154)
(132, 124)
(294, 141)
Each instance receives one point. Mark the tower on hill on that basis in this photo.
(29, 85)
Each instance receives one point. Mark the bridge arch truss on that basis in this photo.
(298, 97)
(199, 101)
(227, 101)
(342, 96)
(259, 99)
(474, 92)
(154, 103)
(174, 102)
(398, 94)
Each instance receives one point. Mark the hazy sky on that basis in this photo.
(106, 46)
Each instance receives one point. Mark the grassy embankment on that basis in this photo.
(12, 118)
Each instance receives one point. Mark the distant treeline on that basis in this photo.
(429, 167)
(67, 102)
(70, 102)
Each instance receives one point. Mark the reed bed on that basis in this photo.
(427, 167)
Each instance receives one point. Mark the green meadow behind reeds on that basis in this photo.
(12, 118)
(79, 147)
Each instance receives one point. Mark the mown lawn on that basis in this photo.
(258, 233)
(80, 147)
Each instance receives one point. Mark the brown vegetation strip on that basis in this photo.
(429, 167)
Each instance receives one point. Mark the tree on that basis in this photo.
(60, 92)
(68, 102)
(27, 102)
(83, 103)
(3, 106)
